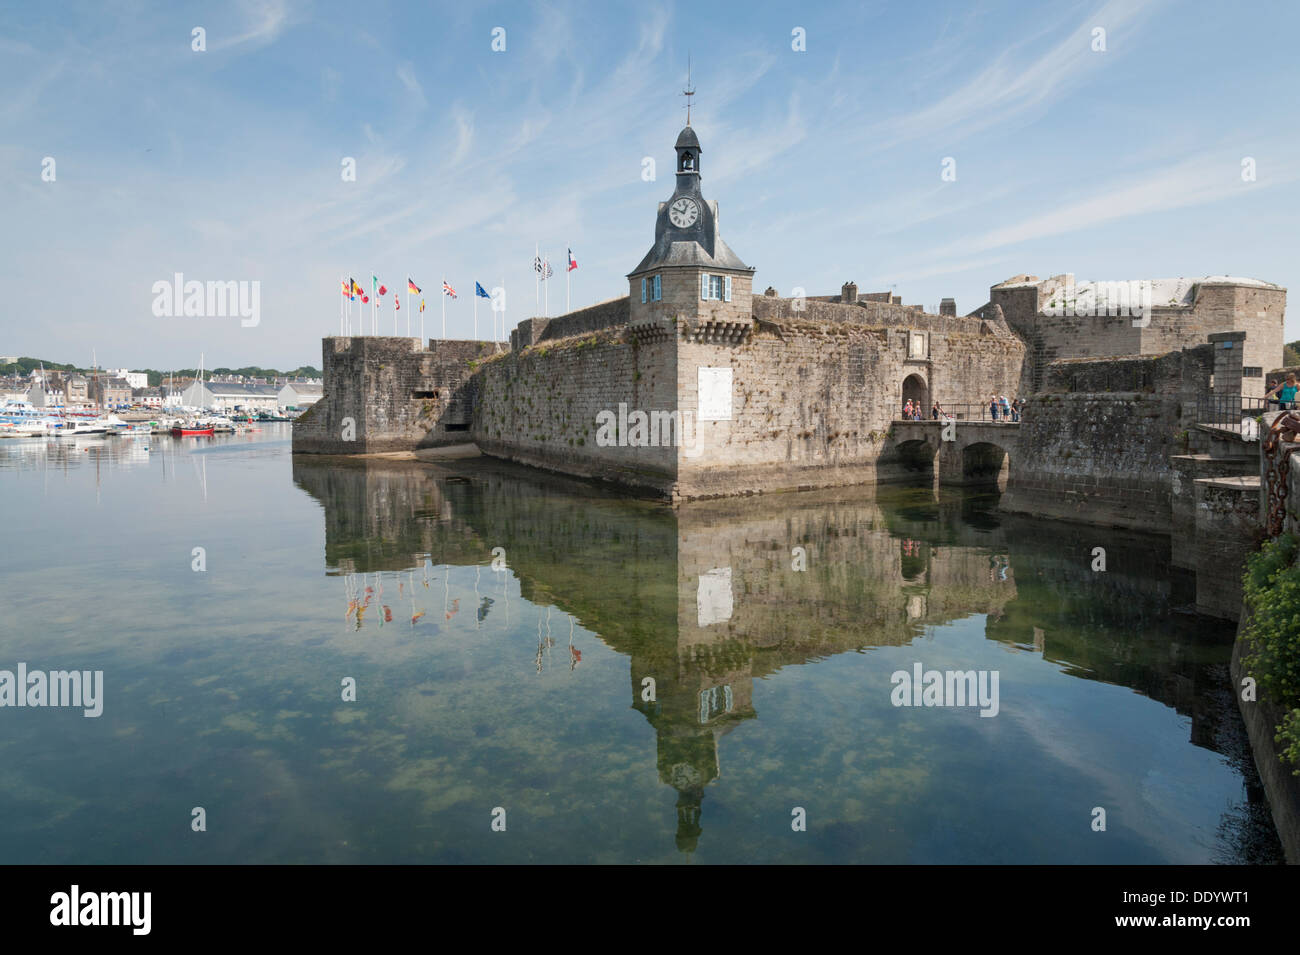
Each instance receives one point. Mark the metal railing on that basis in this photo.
(1226, 411)
(965, 412)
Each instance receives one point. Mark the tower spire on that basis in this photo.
(689, 91)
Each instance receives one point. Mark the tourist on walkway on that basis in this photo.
(993, 406)
(935, 411)
(907, 410)
(1286, 393)
(1270, 402)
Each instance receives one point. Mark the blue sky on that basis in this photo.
(226, 164)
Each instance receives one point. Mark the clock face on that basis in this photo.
(683, 213)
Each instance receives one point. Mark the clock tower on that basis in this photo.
(690, 273)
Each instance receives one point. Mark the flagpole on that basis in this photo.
(537, 271)
(503, 311)
(475, 310)
(546, 289)
(566, 280)
(340, 314)
(443, 292)
(408, 308)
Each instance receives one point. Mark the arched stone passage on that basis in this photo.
(985, 463)
(915, 390)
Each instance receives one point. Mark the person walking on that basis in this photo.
(1286, 393)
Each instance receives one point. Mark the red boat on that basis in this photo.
(182, 431)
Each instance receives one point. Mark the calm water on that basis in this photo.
(526, 688)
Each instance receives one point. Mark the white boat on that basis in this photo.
(81, 427)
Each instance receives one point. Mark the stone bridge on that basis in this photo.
(955, 452)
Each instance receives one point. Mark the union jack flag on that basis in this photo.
(447, 289)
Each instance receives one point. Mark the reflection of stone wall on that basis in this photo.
(862, 586)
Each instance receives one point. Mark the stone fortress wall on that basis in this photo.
(1183, 314)
(391, 394)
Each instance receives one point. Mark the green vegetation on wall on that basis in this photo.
(1272, 589)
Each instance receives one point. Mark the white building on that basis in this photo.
(136, 379)
(227, 396)
(298, 394)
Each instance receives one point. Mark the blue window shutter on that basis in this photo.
(659, 289)
(704, 286)
(643, 291)
(727, 294)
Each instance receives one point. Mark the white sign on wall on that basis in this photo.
(715, 394)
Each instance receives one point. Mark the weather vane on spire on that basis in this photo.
(689, 91)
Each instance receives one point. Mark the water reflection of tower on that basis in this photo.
(701, 694)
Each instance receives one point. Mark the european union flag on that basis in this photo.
(478, 290)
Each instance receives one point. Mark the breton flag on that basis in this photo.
(573, 263)
(412, 287)
(480, 291)
(537, 263)
(447, 289)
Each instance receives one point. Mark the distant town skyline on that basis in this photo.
(1160, 147)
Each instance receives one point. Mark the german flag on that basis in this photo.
(412, 287)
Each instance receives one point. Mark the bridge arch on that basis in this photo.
(985, 463)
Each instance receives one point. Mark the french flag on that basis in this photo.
(573, 263)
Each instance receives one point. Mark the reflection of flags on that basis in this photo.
(412, 287)
(447, 289)
(573, 263)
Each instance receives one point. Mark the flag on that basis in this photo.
(365, 299)
(374, 282)
(546, 270)
(356, 289)
(347, 292)
(478, 290)
(537, 263)
(447, 289)
(412, 287)
(422, 305)
(573, 263)
(397, 302)
(383, 290)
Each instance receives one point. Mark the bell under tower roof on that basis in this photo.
(697, 244)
